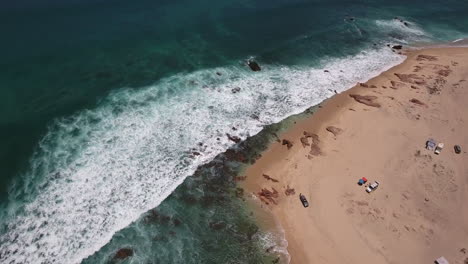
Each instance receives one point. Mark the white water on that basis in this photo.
(102, 168)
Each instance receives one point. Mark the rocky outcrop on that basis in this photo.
(411, 78)
(289, 191)
(444, 72)
(254, 65)
(268, 196)
(397, 47)
(334, 130)
(234, 139)
(269, 178)
(368, 100)
(123, 253)
(236, 90)
(288, 143)
(416, 101)
(423, 57)
(397, 85)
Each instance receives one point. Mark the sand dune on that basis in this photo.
(378, 130)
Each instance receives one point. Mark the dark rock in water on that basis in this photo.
(254, 65)
(219, 74)
(236, 90)
(234, 139)
(176, 222)
(326, 71)
(406, 24)
(397, 47)
(123, 253)
(233, 155)
(217, 225)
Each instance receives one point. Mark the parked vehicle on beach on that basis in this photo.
(431, 144)
(372, 187)
(304, 201)
(439, 148)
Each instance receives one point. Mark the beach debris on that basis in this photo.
(457, 149)
(410, 78)
(123, 253)
(334, 130)
(364, 85)
(288, 143)
(397, 47)
(269, 178)
(289, 191)
(365, 99)
(235, 90)
(253, 65)
(304, 201)
(234, 139)
(268, 196)
(418, 102)
(423, 57)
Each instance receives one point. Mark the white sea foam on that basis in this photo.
(401, 32)
(103, 168)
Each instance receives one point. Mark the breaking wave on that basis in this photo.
(96, 172)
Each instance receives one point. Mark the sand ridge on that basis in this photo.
(376, 130)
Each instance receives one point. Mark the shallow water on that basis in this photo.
(105, 104)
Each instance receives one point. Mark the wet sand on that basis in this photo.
(419, 211)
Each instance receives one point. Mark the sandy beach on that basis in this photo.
(376, 130)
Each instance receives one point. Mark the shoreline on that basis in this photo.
(344, 222)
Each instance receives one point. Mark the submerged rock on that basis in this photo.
(254, 65)
(123, 253)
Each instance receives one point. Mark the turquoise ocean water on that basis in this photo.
(114, 115)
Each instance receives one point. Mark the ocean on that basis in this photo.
(114, 115)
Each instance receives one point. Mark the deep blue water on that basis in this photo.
(104, 101)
